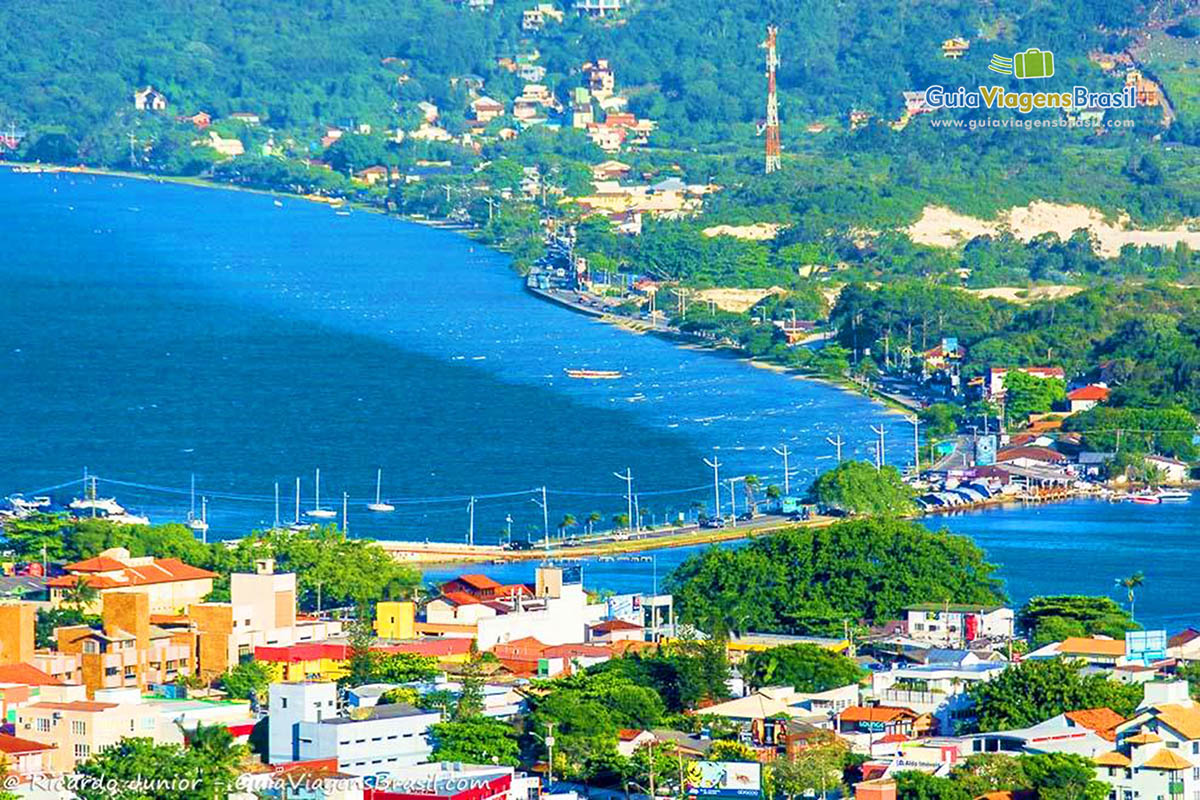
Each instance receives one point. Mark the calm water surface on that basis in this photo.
(151, 332)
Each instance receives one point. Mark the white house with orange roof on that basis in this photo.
(1157, 752)
(171, 584)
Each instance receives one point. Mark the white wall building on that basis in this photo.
(304, 725)
(954, 624)
(935, 689)
(1157, 754)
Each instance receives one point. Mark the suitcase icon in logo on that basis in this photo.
(1033, 63)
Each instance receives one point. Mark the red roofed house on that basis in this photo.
(1185, 645)
(1088, 397)
(615, 630)
(883, 720)
(1029, 456)
(170, 584)
(485, 109)
(24, 758)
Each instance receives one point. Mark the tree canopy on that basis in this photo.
(813, 580)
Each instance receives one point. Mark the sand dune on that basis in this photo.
(941, 227)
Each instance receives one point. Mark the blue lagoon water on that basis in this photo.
(151, 332)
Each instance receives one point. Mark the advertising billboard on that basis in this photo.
(723, 779)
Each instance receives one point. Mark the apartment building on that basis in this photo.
(1157, 753)
(305, 725)
(955, 624)
(80, 728)
(261, 612)
(126, 650)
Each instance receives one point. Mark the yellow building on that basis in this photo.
(396, 619)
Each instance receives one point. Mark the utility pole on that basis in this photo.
(882, 459)
(783, 451)
(628, 478)
(471, 522)
(716, 468)
(276, 504)
(837, 443)
(545, 518)
(915, 421)
(345, 513)
(733, 501)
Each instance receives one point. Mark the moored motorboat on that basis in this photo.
(594, 374)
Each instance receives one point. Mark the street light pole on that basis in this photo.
(628, 478)
(882, 459)
(915, 421)
(837, 443)
(784, 452)
(716, 468)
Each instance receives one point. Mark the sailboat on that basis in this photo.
(297, 525)
(379, 505)
(317, 512)
(199, 525)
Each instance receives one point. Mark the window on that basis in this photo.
(1196, 776)
(89, 646)
(43, 724)
(148, 723)
(283, 702)
(82, 751)
(78, 727)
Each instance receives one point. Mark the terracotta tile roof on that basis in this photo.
(1166, 759)
(1112, 759)
(1090, 392)
(15, 746)
(96, 564)
(446, 646)
(460, 598)
(75, 705)
(629, 734)
(892, 738)
(1079, 645)
(1144, 738)
(875, 714)
(27, 674)
(615, 625)
(1185, 719)
(1102, 721)
(477, 581)
(1030, 452)
(1183, 637)
(161, 570)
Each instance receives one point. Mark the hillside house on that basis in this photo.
(1157, 753)
(597, 8)
(601, 80)
(1088, 397)
(149, 99)
(955, 47)
(485, 109)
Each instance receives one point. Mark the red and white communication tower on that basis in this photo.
(772, 128)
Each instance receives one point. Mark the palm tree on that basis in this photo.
(80, 595)
(592, 519)
(1130, 585)
(620, 520)
(751, 483)
(568, 521)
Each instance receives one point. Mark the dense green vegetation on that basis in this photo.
(1049, 776)
(1142, 338)
(1033, 691)
(805, 667)
(815, 580)
(860, 488)
(1054, 618)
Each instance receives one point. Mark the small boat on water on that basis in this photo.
(379, 505)
(594, 374)
(316, 512)
(1174, 495)
(1144, 498)
(28, 505)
